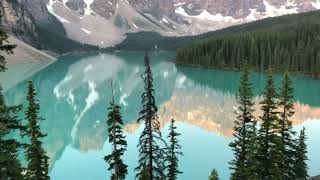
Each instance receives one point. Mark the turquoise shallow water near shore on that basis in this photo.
(74, 94)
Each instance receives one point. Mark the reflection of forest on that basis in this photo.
(214, 111)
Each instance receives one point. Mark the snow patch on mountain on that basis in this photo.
(51, 11)
(316, 4)
(251, 16)
(135, 26)
(88, 7)
(181, 11)
(86, 31)
(205, 15)
(165, 20)
(272, 11)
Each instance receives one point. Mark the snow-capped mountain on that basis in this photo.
(105, 22)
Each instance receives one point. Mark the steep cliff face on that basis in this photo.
(48, 35)
(156, 8)
(19, 21)
(38, 9)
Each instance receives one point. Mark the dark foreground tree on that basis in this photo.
(243, 145)
(214, 175)
(4, 47)
(300, 166)
(268, 155)
(35, 154)
(151, 154)
(173, 152)
(10, 167)
(287, 144)
(119, 144)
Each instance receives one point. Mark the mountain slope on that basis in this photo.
(283, 43)
(105, 23)
(153, 39)
(43, 34)
(25, 53)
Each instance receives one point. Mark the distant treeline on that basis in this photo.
(290, 43)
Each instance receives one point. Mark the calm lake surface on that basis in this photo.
(74, 93)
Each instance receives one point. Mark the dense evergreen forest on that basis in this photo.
(282, 43)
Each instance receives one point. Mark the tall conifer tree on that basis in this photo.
(300, 166)
(4, 47)
(287, 144)
(214, 175)
(35, 154)
(268, 155)
(151, 154)
(173, 152)
(117, 139)
(10, 167)
(244, 131)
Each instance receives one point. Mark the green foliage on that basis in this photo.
(300, 166)
(4, 47)
(118, 142)
(35, 154)
(214, 175)
(244, 143)
(287, 144)
(173, 152)
(151, 154)
(144, 174)
(268, 155)
(288, 43)
(10, 167)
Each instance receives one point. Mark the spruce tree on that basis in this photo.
(173, 152)
(287, 144)
(243, 145)
(268, 155)
(4, 47)
(119, 144)
(300, 167)
(10, 166)
(214, 175)
(35, 154)
(151, 154)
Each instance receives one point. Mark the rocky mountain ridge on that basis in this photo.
(105, 23)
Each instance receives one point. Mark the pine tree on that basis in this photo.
(244, 131)
(10, 167)
(35, 154)
(4, 47)
(119, 144)
(268, 140)
(144, 174)
(214, 175)
(300, 167)
(151, 155)
(287, 144)
(173, 152)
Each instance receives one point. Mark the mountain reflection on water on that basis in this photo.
(74, 93)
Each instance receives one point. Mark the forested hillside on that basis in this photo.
(290, 42)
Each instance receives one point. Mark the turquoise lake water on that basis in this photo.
(75, 90)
